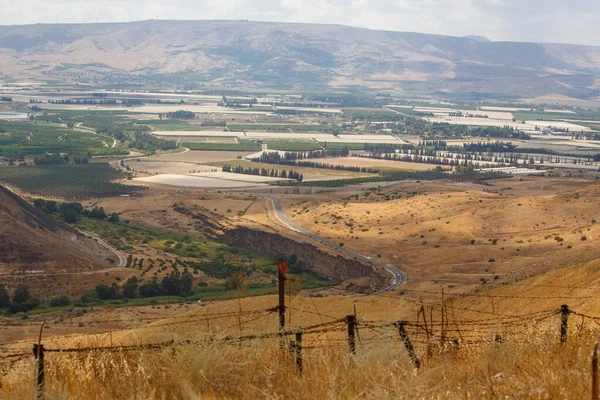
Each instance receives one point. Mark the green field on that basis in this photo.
(549, 116)
(358, 113)
(336, 145)
(241, 146)
(291, 145)
(73, 182)
(280, 128)
(21, 139)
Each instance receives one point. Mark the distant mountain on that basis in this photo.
(32, 240)
(481, 39)
(297, 56)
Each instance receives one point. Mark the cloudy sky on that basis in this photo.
(564, 21)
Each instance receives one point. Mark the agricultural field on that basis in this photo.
(310, 174)
(26, 139)
(202, 157)
(291, 128)
(376, 163)
(165, 167)
(203, 139)
(199, 182)
(368, 113)
(335, 145)
(241, 146)
(291, 145)
(74, 182)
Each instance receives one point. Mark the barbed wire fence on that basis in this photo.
(417, 336)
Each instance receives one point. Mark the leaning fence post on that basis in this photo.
(351, 321)
(595, 389)
(38, 353)
(408, 344)
(564, 319)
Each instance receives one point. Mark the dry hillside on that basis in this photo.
(32, 241)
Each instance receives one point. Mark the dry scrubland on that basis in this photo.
(526, 226)
(506, 232)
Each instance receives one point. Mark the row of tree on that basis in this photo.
(58, 159)
(175, 284)
(275, 157)
(181, 114)
(264, 172)
(83, 101)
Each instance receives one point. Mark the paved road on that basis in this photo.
(102, 242)
(399, 277)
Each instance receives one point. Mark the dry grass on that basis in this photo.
(529, 365)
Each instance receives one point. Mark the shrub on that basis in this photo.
(61, 301)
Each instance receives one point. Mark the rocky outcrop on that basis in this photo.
(315, 260)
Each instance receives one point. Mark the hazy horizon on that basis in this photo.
(498, 20)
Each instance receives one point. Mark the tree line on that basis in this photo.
(71, 212)
(175, 284)
(181, 114)
(264, 172)
(57, 159)
(275, 157)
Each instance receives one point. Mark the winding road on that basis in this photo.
(399, 277)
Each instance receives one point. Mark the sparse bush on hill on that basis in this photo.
(61, 301)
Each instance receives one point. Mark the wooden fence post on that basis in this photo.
(38, 353)
(281, 269)
(564, 319)
(299, 351)
(408, 344)
(595, 389)
(351, 321)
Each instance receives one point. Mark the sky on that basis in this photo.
(553, 21)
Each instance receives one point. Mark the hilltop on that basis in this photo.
(242, 54)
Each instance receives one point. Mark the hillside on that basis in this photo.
(32, 241)
(246, 54)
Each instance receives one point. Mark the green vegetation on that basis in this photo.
(290, 145)
(79, 182)
(125, 235)
(336, 145)
(366, 113)
(163, 126)
(21, 300)
(181, 114)
(284, 128)
(22, 139)
(591, 115)
(164, 123)
(243, 145)
(273, 173)
(71, 212)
